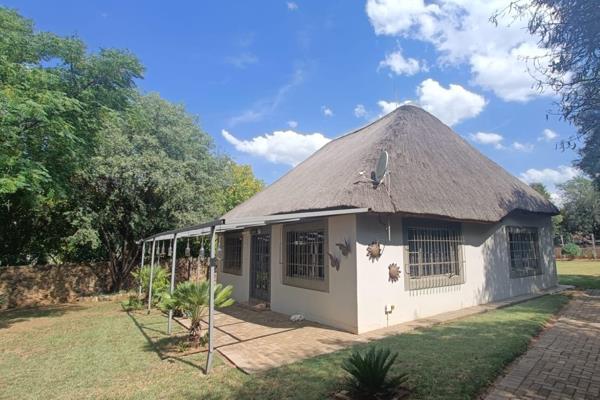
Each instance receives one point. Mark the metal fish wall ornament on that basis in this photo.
(394, 272)
(344, 248)
(334, 261)
(374, 251)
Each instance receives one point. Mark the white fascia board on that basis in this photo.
(296, 216)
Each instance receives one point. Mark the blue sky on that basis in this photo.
(271, 81)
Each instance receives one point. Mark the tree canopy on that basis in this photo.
(581, 206)
(569, 31)
(88, 164)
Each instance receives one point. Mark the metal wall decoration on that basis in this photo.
(394, 272)
(334, 261)
(344, 248)
(374, 251)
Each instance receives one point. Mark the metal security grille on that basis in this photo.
(434, 256)
(524, 251)
(305, 257)
(232, 259)
(260, 266)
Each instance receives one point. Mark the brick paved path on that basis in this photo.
(564, 363)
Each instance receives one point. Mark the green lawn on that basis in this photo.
(583, 274)
(98, 351)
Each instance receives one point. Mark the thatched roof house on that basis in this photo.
(433, 171)
(446, 228)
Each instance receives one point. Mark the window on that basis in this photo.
(434, 254)
(232, 259)
(304, 255)
(524, 251)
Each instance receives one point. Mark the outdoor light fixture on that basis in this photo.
(187, 249)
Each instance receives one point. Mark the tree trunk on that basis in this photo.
(194, 336)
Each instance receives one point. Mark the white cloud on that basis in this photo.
(525, 147)
(328, 112)
(292, 6)
(389, 106)
(281, 147)
(242, 61)
(462, 33)
(488, 138)
(292, 124)
(399, 65)
(360, 111)
(451, 105)
(550, 176)
(548, 135)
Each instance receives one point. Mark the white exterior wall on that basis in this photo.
(335, 307)
(358, 293)
(240, 283)
(487, 272)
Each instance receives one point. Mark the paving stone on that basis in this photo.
(564, 363)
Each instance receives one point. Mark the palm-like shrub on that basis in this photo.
(191, 298)
(369, 374)
(160, 282)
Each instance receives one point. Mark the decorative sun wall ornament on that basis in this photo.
(344, 247)
(394, 271)
(334, 261)
(374, 251)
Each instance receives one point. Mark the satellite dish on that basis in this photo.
(382, 168)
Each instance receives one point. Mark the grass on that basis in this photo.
(583, 274)
(98, 351)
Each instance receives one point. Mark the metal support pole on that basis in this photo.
(173, 262)
(211, 299)
(594, 246)
(142, 266)
(151, 275)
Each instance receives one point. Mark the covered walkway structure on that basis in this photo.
(210, 230)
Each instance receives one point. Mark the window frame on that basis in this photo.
(311, 284)
(225, 265)
(438, 280)
(523, 273)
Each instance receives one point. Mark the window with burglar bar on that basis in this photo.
(524, 251)
(232, 259)
(434, 255)
(305, 263)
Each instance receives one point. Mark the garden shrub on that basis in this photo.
(571, 250)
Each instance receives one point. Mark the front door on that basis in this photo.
(260, 267)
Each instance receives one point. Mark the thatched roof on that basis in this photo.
(433, 171)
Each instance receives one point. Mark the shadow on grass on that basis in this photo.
(455, 360)
(160, 344)
(580, 281)
(16, 315)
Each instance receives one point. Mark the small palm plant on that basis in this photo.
(369, 374)
(191, 298)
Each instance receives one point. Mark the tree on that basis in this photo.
(87, 164)
(541, 189)
(568, 30)
(191, 298)
(241, 185)
(581, 207)
(557, 220)
(53, 98)
(153, 170)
